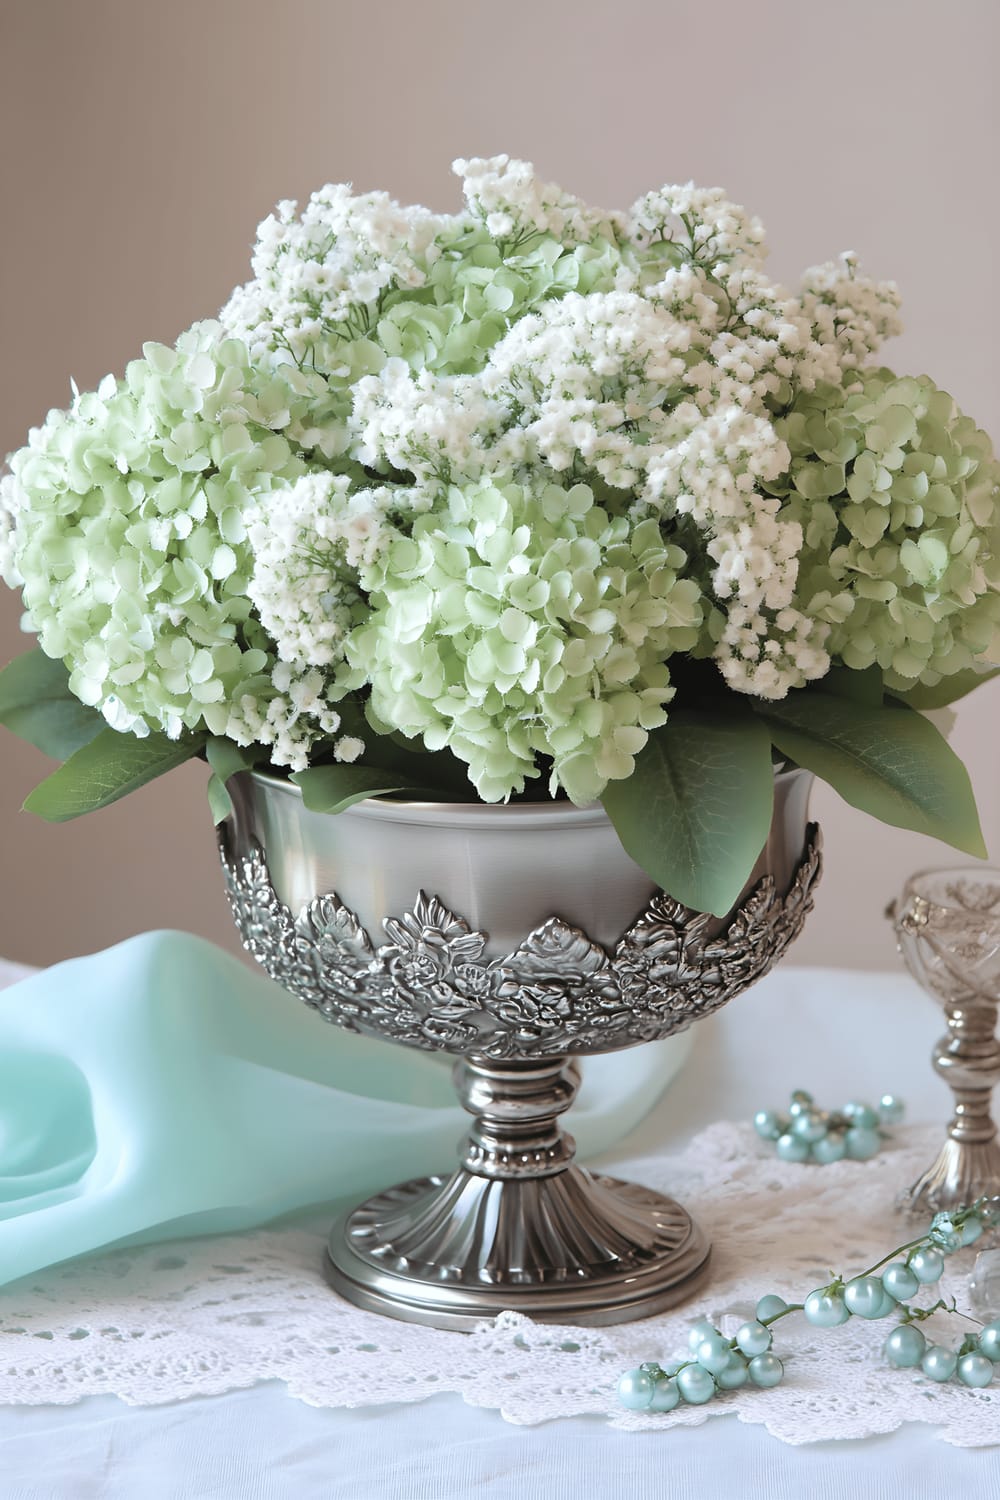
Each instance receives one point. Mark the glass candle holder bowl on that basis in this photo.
(984, 1285)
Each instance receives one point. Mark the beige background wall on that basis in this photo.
(142, 141)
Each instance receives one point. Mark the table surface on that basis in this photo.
(842, 1035)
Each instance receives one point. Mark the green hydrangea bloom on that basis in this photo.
(487, 291)
(131, 538)
(521, 619)
(898, 496)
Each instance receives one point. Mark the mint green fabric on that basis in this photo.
(161, 1089)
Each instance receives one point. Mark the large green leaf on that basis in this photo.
(37, 705)
(889, 761)
(331, 789)
(109, 767)
(226, 758)
(948, 690)
(696, 811)
(220, 804)
(863, 686)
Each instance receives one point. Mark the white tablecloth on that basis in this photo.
(840, 1034)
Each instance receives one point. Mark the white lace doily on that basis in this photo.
(202, 1317)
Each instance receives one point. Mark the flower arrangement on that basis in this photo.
(527, 500)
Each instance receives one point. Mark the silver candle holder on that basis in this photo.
(948, 929)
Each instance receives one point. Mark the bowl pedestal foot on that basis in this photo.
(518, 1225)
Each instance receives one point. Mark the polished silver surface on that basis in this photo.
(439, 983)
(506, 869)
(496, 965)
(948, 929)
(517, 1225)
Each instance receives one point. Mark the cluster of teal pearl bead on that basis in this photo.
(973, 1363)
(718, 1364)
(805, 1133)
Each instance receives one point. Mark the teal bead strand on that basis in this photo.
(975, 1370)
(861, 1116)
(862, 1143)
(753, 1338)
(666, 1394)
(832, 1147)
(792, 1148)
(771, 1306)
(734, 1375)
(890, 1109)
(905, 1347)
(864, 1297)
(888, 1305)
(713, 1353)
(900, 1281)
(700, 1331)
(944, 1236)
(718, 1364)
(939, 1363)
(825, 1309)
(971, 1230)
(809, 1126)
(766, 1370)
(926, 1263)
(855, 1131)
(989, 1341)
(768, 1125)
(635, 1390)
(695, 1384)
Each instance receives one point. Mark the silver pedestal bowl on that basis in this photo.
(519, 938)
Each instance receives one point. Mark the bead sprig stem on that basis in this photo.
(718, 1364)
(893, 1254)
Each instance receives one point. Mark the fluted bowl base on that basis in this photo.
(576, 1248)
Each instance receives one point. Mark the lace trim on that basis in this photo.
(200, 1317)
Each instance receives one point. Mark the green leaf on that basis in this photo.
(863, 686)
(331, 789)
(37, 705)
(226, 757)
(109, 767)
(219, 801)
(696, 811)
(890, 762)
(948, 690)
